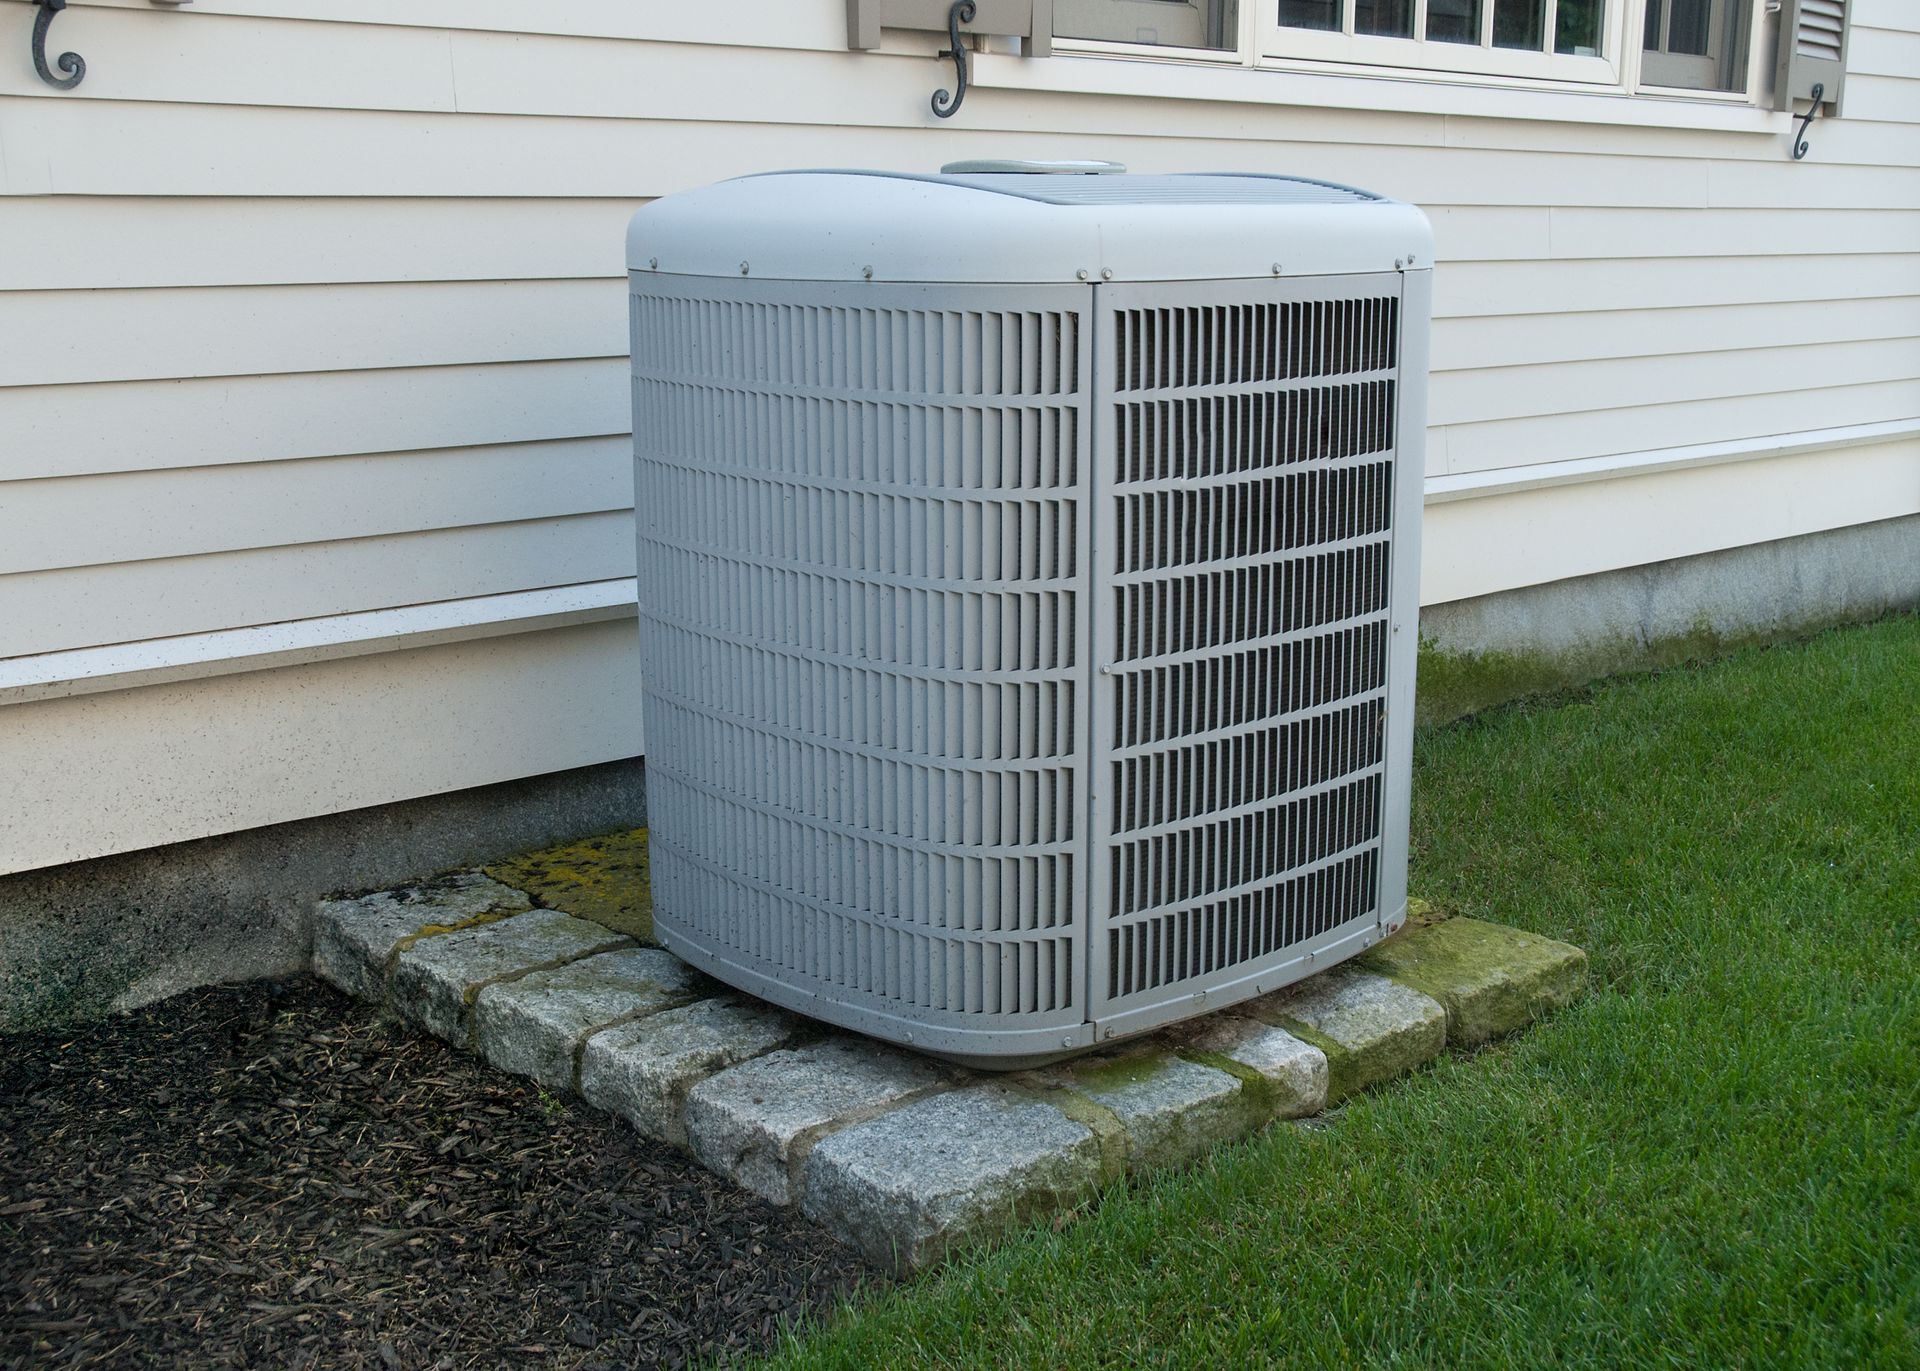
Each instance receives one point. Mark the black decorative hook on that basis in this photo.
(945, 106)
(1800, 134)
(72, 63)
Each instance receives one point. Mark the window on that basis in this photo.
(1685, 44)
(1695, 44)
(1562, 39)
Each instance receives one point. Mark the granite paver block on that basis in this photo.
(1490, 978)
(643, 1070)
(354, 940)
(1372, 1029)
(533, 1026)
(434, 981)
(1294, 1071)
(1171, 1109)
(917, 1182)
(757, 1121)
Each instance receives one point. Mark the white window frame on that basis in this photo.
(1277, 41)
(1265, 44)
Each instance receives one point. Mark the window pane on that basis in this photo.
(1453, 21)
(1651, 39)
(1519, 23)
(1394, 18)
(1576, 27)
(1688, 32)
(1310, 14)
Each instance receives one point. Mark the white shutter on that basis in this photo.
(1812, 52)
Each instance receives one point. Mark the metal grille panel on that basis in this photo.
(862, 555)
(1247, 497)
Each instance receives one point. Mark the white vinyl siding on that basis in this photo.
(318, 309)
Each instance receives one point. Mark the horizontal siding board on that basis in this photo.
(152, 53)
(134, 516)
(1758, 184)
(1583, 231)
(1890, 98)
(129, 148)
(136, 768)
(134, 335)
(1487, 343)
(1847, 142)
(51, 611)
(82, 242)
(768, 23)
(1509, 287)
(1604, 432)
(1570, 388)
(1883, 51)
(149, 425)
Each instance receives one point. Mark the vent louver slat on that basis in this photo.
(1250, 526)
(861, 618)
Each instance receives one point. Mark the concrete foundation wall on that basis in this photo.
(1493, 648)
(88, 937)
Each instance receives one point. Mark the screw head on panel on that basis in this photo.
(653, 264)
(1080, 275)
(867, 273)
(743, 268)
(1276, 268)
(1399, 264)
(1106, 273)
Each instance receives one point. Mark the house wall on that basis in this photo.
(314, 311)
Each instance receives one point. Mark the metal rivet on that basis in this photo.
(1106, 273)
(1398, 264)
(1066, 1042)
(867, 272)
(653, 263)
(743, 268)
(1411, 259)
(1080, 275)
(1310, 956)
(1276, 268)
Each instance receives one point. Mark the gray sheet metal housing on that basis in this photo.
(1027, 665)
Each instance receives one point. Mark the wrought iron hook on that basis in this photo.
(945, 106)
(1800, 134)
(72, 63)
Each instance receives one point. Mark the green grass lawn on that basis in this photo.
(1713, 1160)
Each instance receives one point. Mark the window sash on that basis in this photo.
(1279, 42)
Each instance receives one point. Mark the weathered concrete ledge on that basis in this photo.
(905, 1158)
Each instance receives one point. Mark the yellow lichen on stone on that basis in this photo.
(603, 879)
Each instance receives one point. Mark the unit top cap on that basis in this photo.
(1025, 222)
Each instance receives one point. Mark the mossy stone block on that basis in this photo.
(1172, 1110)
(603, 879)
(1491, 979)
(1371, 1028)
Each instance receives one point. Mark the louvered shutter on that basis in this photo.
(1812, 52)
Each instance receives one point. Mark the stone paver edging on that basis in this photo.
(906, 1158)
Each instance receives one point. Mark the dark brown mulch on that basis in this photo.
(270, 1175)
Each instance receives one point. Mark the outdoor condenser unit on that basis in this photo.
(1028, 587)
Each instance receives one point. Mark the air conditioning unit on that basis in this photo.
(1028, 586)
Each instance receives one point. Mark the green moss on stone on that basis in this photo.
(1491, 979)
(604, 879)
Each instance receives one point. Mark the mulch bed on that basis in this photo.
(272, 1175)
